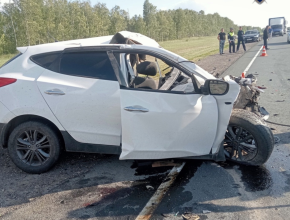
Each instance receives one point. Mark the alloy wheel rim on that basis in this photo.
(33, 148)
(239, 144)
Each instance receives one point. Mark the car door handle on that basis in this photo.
(136, 108)
(54, 92)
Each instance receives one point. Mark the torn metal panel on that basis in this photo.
(249, 96)
(127, 37)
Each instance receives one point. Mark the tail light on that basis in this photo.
(6, 81)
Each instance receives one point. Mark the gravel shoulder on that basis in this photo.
(217, 64)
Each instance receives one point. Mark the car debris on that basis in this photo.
(131, 207)
(277, 139)
(249, 95)
(206, 211)
(150, 187)
(165, 215)
(190, 216)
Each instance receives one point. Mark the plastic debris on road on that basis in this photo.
(150, 187)
(190, 216)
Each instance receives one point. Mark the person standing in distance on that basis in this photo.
(266, 36)
(231, 38)
(270, 32)
(241, 39)
(222, 39)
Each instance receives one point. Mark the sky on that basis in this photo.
(242, 12)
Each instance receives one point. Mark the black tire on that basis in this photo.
(34, 147)
(253, 140)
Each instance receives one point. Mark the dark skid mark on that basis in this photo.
(187, 173)
(124, 203)
(176, 196)
(256, 178)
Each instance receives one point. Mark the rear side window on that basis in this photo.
(90, 64)
(45, 59)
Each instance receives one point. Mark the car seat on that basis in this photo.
(148, 69)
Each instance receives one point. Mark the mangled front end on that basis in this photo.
(249, 96)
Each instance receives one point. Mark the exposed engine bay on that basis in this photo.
(249, 96)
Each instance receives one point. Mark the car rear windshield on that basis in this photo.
(13, 58)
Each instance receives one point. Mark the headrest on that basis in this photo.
(142, 57)
(147, 68)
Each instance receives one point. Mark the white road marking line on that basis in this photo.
(155, 200)
(251, 63)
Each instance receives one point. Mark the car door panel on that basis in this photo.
(89, 109)
(175, 125)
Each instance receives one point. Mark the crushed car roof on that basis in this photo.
(123, 37)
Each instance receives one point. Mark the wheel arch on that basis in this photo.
(8, 128)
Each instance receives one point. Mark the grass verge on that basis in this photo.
(193, 48)
(5, 58)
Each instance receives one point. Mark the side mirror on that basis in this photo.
(215, 87)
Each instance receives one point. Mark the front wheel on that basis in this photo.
(34, 147)
(248, 139)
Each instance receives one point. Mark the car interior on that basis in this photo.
(151, 73)
(148, 72)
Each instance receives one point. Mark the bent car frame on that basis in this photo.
(124, 95)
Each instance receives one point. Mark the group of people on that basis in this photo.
(231, 38)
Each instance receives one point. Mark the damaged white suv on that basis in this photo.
(124, 95)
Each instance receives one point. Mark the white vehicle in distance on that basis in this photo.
(100, 95)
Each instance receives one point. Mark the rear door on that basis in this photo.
(82, 91)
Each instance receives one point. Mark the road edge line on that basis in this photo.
(251, 63)
(156, 199)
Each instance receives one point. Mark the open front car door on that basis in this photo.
(157, 125)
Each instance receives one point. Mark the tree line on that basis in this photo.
(31, 22)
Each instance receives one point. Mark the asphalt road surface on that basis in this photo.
(102, 187)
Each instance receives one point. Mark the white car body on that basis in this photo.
(90, 113)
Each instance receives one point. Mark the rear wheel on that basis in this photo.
(248, 140)
(33, 147)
